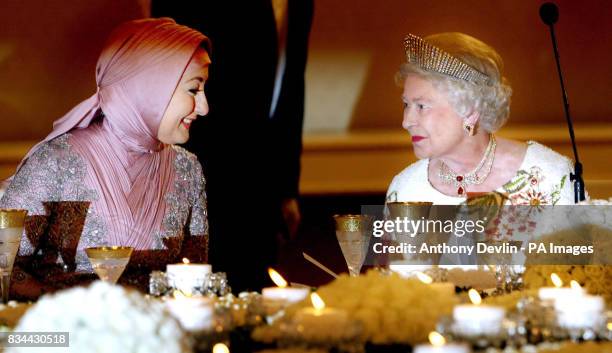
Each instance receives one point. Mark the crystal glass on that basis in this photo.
(354, 239)
(109, 262)
(158, 283)
(216, 284)
(11, 228)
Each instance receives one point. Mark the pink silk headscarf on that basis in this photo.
(136, 75)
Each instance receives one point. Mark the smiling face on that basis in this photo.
(188, 101)
(435, 127)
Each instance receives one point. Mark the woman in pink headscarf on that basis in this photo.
(109, 173)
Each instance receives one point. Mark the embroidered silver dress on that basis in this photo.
(62, 218)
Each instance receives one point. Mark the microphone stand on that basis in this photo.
(576, 177)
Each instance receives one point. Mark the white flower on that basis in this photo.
(105, 318)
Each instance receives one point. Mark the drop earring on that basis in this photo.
(469, 129)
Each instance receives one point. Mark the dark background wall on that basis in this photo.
(48, 51)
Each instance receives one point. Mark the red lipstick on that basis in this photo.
(417, 138)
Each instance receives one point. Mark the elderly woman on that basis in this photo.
(109, 173)
(455, 99)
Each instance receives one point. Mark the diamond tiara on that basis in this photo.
(431, 58)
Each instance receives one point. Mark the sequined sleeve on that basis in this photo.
(198, 224)
(196, 243)
(35, 183)
(191, 187)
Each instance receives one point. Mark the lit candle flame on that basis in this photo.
(317, 302)
(436, 339)
(556, 280)
(424, 278)
(277, 278)
(220, 348)
(575, 285)
(185, 260)
(475, 297)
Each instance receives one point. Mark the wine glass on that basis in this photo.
(410, 210)
(109, 262)
(353, 237)
(11, 229)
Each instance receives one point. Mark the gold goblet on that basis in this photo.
(353, 237)
(109, 262)
(11, 229)
(410, 209)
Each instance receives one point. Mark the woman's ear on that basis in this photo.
(470, 123)
(472, 118)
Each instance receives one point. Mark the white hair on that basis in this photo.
(491, 101)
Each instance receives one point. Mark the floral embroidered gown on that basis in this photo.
(63, 221)
(542, 179)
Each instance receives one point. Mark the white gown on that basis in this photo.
(542, 179)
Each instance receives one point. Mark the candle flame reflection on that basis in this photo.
(475, 298)
(185, 260)
(277, 278)
(556, 280)
(424, 278)
(317, 302)
(436, 339)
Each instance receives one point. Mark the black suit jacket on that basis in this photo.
(238, 143)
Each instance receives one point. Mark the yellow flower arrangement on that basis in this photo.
(595, 279)
(586, 347)
(510, 300)
(390, 308)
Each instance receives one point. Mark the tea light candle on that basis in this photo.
(320, 321)
(287, 295)
(438, 345)
(187, 276)
(282, 293)
(194, 313)
(579, 312)
(475, 319)
(557, 292)
(448, 348)
(277, 298)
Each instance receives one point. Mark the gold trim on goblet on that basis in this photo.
(351, 222)
(409, 209)
(12, 218)
(109, 252)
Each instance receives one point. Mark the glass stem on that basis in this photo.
(6, 281)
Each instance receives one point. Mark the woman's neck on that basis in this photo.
(467, 154)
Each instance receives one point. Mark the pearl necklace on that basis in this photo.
(461, 181)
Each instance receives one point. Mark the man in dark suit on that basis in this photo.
(250, 142)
